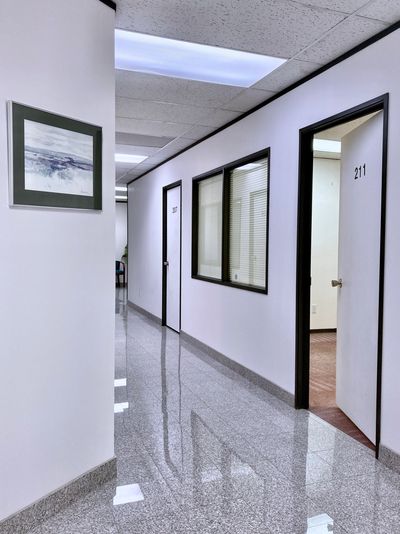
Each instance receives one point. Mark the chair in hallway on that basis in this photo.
(120, 271)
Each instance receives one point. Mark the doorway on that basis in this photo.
(172, 256)
(341, 237)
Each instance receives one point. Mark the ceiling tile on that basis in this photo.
(344, 6)
(126, 178)
(164, 111)
(286, 75)
(197, 132)
(141, 169)
(158, 111)
(149, 127)
(219, 117)
(133, 149)
(175, 146)
(350, 33)
(124, 167)
(248, 99)
(277, 28)
(386, 10)
(141, 140)
(120, 173)
(165, 89)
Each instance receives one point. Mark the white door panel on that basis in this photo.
(173, 257)
(358, 267)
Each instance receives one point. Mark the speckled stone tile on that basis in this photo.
(349, 462)
(168, 523)
(214, 453)
(136, 469)
(343, 499)
(383, 485)
(377, 521)
(158, 501)
(303, 468)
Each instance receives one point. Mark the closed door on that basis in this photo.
(173, 258)
(358, 268)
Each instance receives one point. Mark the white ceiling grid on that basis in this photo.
(309, 33)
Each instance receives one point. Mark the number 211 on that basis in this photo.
(359, 171)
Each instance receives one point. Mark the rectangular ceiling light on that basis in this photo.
(129, 158)
(121, 188)
(119, 197)
(179, 59)
(325, 145)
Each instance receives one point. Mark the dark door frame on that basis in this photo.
(164, 253)
(304, 222)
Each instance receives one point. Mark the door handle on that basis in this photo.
(337, 283)
(166, 263)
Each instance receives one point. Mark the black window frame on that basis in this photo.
(225, 170)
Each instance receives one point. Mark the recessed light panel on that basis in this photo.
(191, 61)
(325, 145)
(129, 158)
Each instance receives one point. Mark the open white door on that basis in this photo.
(173, 258)
(359, 254)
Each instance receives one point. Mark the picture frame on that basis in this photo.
(54, 161)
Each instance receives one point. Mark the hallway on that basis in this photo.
(213, 453)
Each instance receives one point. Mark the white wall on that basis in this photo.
(254, 329)
(121, 229)
(56, 267)
(325, 235)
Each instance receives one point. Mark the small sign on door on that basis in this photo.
(174, 209)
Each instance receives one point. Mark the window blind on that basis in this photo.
(210, 227)
(248, 208)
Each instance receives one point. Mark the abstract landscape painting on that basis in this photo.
(57, 160)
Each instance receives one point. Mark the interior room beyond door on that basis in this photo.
(344, 351)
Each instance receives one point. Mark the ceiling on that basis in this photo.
(158, 115)
(338, 132)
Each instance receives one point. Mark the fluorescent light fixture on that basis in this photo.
(119, 382)
(119, 188)
(191, 61)
(127, 494)
(324, 145)
(119, 407)
(120, 197)
(129, 158)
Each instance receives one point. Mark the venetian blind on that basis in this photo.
(210, 227)
(248, 208)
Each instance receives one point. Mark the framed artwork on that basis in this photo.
(54, 161)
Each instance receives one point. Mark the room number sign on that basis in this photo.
(360, 171)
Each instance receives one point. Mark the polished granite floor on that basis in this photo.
(208, 452)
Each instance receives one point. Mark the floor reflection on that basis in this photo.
(212, 453)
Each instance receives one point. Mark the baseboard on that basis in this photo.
(32, 516)
(322, 330)
(144, 312)
(389, 458)
(253, 377)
